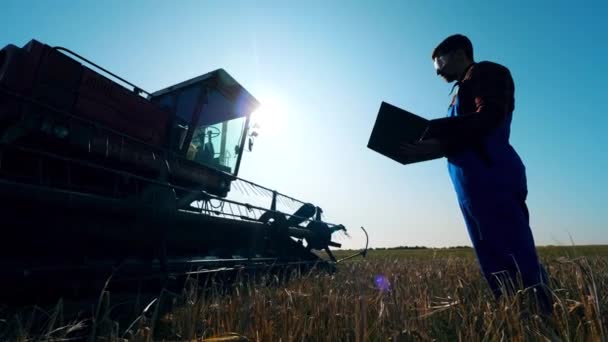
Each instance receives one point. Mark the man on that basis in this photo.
(487, 173)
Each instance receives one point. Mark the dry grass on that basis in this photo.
(401, 296)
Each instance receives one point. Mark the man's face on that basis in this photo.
(445, 67)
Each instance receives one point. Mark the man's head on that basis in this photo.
(452, 57)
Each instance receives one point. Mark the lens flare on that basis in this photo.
(381, 282)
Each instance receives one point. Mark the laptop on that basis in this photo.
(395, 127)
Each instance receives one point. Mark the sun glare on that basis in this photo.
(270, 115)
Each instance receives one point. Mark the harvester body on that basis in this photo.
(95, 176)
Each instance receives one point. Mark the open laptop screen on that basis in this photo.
(394, 127)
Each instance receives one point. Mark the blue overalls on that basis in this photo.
(490, 183)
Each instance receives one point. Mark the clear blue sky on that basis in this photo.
(329, 64)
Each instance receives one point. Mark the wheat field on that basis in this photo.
(396, 295)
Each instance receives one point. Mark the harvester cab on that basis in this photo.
(209, 121)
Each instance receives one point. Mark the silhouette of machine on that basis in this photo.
(98, 176)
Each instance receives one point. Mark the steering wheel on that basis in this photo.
(215, 132)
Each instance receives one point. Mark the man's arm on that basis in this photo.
(422, 149)
(491, 87)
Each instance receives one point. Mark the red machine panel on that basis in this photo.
(52, 78)
(108, 103)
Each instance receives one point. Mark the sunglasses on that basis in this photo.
(439, 63)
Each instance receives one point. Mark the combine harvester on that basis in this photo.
(99, 177)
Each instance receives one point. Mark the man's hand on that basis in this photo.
(421, 148)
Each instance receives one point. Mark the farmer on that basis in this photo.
(487, 173)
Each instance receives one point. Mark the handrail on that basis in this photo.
(136, 89)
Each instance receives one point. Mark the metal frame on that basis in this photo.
(136, 89)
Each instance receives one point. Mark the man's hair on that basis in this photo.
(453, 43)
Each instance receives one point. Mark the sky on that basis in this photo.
(325, 67)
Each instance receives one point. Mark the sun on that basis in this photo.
(270, 115)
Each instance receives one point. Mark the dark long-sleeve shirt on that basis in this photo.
(486, 96)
